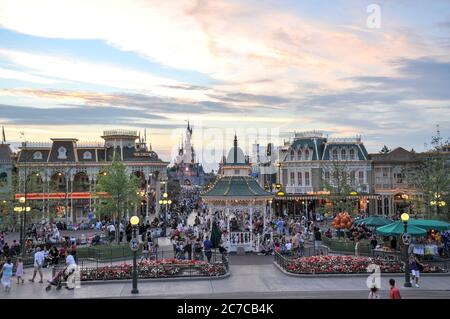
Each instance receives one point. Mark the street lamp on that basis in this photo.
(405, 217)
(134, 221)
(438, 202)
(23, 209)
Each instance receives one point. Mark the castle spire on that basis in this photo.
(235, 147)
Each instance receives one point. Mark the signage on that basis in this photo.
(134, 244)
(75, 195)
(141, 154)
(281, 193)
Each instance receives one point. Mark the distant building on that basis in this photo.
(390, 172)
(6, 172)
(186, 170)
(263, 161)
(65, 172)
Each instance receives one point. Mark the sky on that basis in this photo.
(267, 68)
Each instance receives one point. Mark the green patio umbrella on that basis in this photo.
(373, 221)
(429, 224)
(396, 229)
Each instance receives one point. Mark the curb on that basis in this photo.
(118, 281)
(384, 274)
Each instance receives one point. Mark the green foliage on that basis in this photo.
(340, 185)
(122, 188)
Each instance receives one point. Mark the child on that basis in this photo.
(19, 270)
(7, 274)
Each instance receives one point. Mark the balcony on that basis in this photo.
(298, 189)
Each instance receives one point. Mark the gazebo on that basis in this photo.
(239, 200)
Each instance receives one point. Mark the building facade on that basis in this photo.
(6, 173)
(307, 163)
(391, 182)
(61, 176)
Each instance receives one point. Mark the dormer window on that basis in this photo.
(306, 154)
(343, 155)
(352, 154)
(62, 153)
(335, 155)
(37, 155)
(87, 155)
(292, 155)
(299, 155)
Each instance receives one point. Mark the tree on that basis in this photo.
(122, 189)
(340, 185)
(432, 177)
(385, 150)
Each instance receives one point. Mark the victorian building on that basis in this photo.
(310, 160)
(391, 171)
(186, 170)
(60, 176)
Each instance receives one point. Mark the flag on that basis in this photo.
(3, 135)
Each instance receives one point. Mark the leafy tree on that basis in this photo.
(122, 189)
(340, 184)
(432, 177)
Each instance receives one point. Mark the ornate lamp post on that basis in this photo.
(405, 217)
(438, 202)
(22, 210)
(134, 221)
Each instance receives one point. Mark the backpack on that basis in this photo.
(197, 248)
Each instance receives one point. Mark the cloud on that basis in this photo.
(75, 115)
(269, 48)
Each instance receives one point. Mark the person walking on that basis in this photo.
(415, 266)
(19, 270)
(394, 293)
(207, 245)
(38, 263)
(317, 238)
(373, 293)
(7, 274)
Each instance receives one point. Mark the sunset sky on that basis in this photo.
(76, 68)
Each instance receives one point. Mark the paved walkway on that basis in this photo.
(246, 281)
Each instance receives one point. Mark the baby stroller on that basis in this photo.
(60, 279)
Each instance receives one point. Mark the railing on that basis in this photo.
(239, 238)
(119, 132)
(347, 247)
(298, 189)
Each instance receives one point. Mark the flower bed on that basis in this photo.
(347, 265)
(163, 268)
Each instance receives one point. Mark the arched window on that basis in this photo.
(335, 155)
(343, 155)
(3, 179)
(306, 154)
(87, 155)
(37, 155)
(62, 153)
(299, 155)
(352, 154)
(292, 155)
